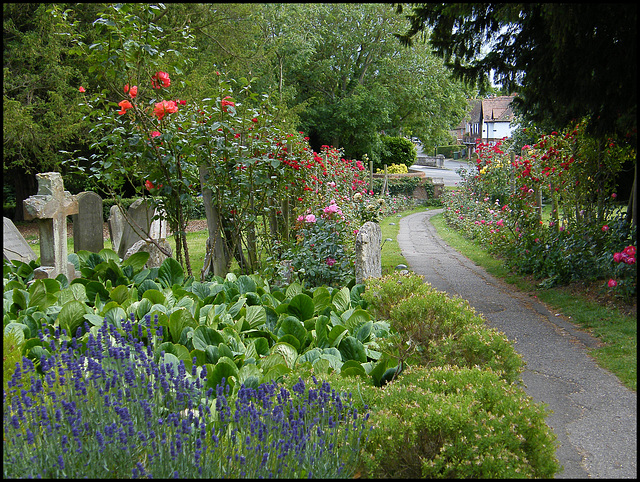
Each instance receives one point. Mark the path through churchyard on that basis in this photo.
(594, 415)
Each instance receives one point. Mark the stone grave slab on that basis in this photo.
(88, 223)
(14, 246)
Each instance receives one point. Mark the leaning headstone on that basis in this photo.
(88, 223)
(139, 225)
(158, 229)
(368, 252)
(156, 256)
(14, 246)
(50, 207)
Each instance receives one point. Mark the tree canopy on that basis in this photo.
(566, 61)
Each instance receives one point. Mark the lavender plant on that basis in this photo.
(110, 410)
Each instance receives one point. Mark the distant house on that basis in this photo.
(488, 120)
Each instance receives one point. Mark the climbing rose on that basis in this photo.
(81, 89)
(124, 105)
(158, 78)
(310, 218)
(155, 134)
(165, 107)
(224, 103)
(613, 283)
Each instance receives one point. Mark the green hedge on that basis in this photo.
(448, 151)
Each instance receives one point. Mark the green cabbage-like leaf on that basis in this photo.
(301, 306)
(136, 260)
(204, 336)
(71, 316)
(170, 273)
(352, 349)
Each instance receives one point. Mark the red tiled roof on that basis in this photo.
(497, 108)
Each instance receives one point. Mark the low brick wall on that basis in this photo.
(419, 192)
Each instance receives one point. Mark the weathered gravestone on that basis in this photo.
(88, 223)
(368, 252)
(50, 207)
(156, 256)
(116, 226)
(136, 226)
(14, 246)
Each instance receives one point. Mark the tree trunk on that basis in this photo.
(216, 259)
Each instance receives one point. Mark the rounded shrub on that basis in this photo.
(397, 150)
(465, 423)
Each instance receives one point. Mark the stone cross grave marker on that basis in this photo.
(88, 223)
(368, 252)
(14, 246)
(50, 207)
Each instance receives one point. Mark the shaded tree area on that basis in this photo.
(565, 61)
(40, 94)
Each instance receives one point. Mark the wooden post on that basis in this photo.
(370, 176)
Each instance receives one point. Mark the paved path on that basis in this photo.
(594, 415)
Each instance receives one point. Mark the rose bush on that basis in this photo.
(500, 205)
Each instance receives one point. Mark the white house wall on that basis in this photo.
(496, 130)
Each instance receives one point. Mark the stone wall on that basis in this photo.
(419, 192)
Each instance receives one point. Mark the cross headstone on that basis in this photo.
(88, 223)
(368, 252)
(50, 207)
(14, 246)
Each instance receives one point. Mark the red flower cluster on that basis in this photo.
(133, 91)
(224, 103)
(627, 256)
(165, 107)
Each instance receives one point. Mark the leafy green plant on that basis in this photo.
(319, 255)
(238, 327)
(433, 329)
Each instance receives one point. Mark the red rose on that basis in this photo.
(224, 103)
(165, 107)
(124, 105)
(160, 78)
